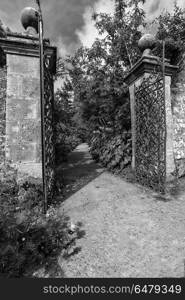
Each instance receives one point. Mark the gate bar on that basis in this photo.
(43, 134)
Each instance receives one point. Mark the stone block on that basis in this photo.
(23, 65)
(26, 131)
(30, 87)
(21, 152)
(22, 109)
(22, 125)
(13, 86)
(30, 170)
(23, 120)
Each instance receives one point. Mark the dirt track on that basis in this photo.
(129, 231)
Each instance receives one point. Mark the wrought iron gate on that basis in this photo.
(49, 126)
(150, 154)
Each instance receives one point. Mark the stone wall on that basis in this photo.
(178, 110)
(170, 159)
(20, 109)
(3, 78)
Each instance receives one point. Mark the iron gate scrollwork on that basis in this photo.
(49, 127)
(150, 154)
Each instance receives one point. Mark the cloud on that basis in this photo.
(89, 33)
(154, 6)
(61, 18)
(65, 17)
(68, 23)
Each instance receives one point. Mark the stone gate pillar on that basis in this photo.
(152, 119)
(21, 76)
(178, 110)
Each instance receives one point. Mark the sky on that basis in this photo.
(68, 23)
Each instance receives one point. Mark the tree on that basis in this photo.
(171, 28)
(65, 129)
(96, 75)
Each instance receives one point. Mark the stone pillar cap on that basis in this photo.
(148, 64)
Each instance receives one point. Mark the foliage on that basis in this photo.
(65, 130)
(171, 28)
(122, 31)
(114, 153)
(29, 240)
(96, 76)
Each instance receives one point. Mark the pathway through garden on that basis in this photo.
(129, 230)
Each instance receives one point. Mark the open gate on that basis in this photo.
(150, 160)
(49, 126)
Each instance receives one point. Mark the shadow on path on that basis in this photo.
(78, 171)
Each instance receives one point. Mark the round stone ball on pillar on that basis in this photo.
(146, 43)
(29, 19)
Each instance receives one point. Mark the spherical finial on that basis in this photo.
(147, 42)
(29, 18)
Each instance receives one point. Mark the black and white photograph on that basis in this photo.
(92, 143)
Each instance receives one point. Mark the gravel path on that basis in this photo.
(129, 231)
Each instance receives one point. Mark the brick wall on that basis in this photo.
(3, 83)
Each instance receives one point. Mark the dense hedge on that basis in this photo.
(114, 153)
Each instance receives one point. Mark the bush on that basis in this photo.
(65, 145)
(65, 129)
(113, 152)
(28, 238)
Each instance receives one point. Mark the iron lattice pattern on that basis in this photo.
(150, 160)
(3, 87)
(49, 131)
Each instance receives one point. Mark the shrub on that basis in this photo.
(65, 129)
(28, 238)
(113, 152)
(65, 145)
